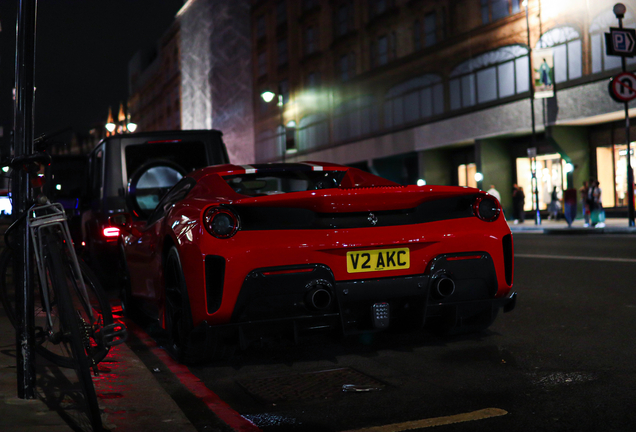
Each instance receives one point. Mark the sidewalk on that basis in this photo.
(130, 396)
(612, 226)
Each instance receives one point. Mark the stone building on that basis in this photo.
(439, 91)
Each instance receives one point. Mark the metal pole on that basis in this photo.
(630, 174)
(23, 133)
(282, 123)
(535, 182)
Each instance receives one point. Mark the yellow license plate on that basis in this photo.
(378, 260)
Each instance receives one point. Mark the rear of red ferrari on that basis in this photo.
(352, 259)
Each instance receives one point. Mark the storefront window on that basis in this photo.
(612, 174)
(466, 175)
(550, 170)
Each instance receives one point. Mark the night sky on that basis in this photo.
(82, 54)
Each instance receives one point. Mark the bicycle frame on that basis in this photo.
(47, 216)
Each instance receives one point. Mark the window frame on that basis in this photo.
(460, 78)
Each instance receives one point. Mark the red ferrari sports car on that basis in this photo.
(237, 251)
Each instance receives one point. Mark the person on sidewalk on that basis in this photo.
(555, 205)
(585, 208)
(494, 192)
(569, 199)
(518, 201)
(598, 214)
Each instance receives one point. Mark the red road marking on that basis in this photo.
(223, 411)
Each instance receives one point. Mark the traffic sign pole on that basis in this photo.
(619, 10)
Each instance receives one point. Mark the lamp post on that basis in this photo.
(532, 154)
(619, 11)
(268, 96)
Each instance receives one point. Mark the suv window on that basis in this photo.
(186, 155)
(177, 193)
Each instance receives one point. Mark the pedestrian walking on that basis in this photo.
(494, 192)
(518, 201)
(598, 213)
(569, 199)
(555, 205)
(585, 208)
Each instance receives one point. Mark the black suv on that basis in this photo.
(147, 164)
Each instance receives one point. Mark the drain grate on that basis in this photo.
(310, 385)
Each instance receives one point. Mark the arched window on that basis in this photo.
(269, 144)
(600, 25)
(493, 75)
(355, 117)
(566, 47)
(313, 131)
(413, 100)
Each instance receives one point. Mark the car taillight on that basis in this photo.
(110, 232)
(486, 209)
(221, 222)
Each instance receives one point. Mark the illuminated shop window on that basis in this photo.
(601, 25)
(466, 175)
(416, 99)
(566, 47)
(611, 169)
(550, 170)
(490, 76)
(355, 118)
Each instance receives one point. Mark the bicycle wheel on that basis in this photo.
(44, 346)
(72, 340)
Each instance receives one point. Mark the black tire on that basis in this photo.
(72, 336)
(128, 305)
(178, 316)
(98, 300)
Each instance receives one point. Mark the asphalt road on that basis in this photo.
(562, 360)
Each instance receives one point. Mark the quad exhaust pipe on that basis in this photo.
(443, 286)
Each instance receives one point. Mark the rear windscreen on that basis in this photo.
(283, 182)
(185, 155)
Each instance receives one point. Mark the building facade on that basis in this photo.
(439, 91)
(154, 85)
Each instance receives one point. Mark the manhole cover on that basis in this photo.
(310, 385)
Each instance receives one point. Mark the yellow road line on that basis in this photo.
(437, 421)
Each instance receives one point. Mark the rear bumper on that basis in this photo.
(295, 299)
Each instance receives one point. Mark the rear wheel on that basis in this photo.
(178, 316)
(125, 295)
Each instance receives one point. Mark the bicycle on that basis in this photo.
(73, 329)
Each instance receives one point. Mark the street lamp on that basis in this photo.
(268, 96)
(110, 124)
(532, 154)
(123, 124)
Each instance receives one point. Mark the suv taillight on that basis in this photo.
(221, 222)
